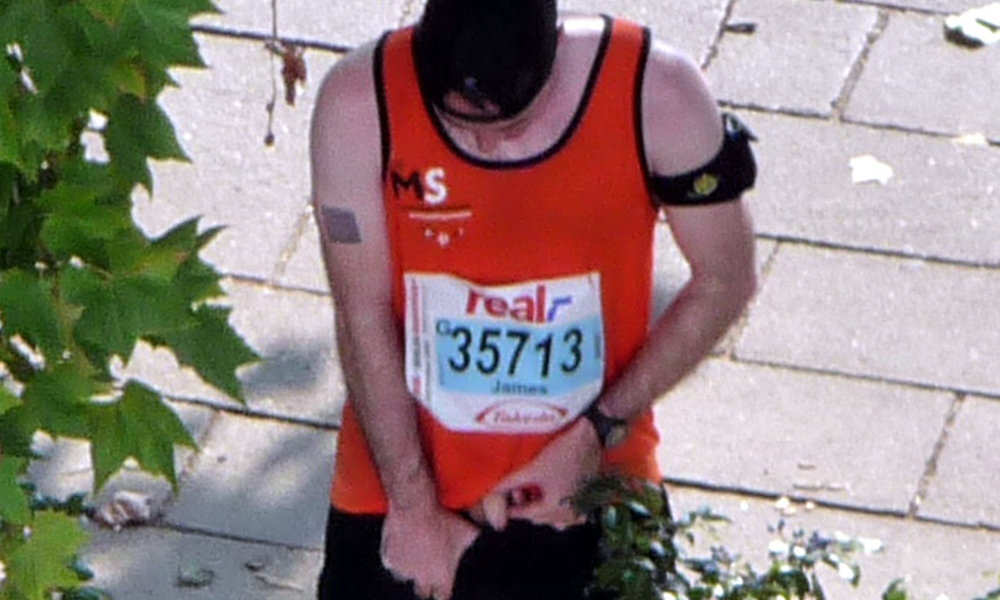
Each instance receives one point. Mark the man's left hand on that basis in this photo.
(541, 490)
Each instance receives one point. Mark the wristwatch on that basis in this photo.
(611, 431)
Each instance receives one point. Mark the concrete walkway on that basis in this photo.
(865, 378)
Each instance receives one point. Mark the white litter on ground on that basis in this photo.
(867, 168)
(975, 27)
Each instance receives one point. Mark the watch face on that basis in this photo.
(616, 435)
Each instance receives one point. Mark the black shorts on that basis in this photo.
(523, 562)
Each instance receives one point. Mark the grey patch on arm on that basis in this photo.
(341, 226)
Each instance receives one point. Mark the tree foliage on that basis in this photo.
(650, 555)
(80, 283)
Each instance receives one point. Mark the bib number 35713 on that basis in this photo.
(520, 358)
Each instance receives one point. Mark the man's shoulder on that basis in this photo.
(345, 124)
(351, 79)
(677, 107)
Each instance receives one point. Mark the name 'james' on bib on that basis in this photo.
(520, 358)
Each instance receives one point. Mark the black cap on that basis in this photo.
(498, 51)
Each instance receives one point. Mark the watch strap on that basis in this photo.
(610, 430)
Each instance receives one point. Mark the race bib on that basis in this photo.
(523, 358)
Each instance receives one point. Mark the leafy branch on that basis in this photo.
(81, 284)
(649, 555)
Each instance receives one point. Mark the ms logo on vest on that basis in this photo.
(441, 224)
(429, 189)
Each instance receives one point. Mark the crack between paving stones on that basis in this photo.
(187, 529)
(812, 115)
(880, 252)
(188, 466)
(858, 65)
(897, 8)
(257, 414)
(930, 469)
(713, 48)
(255, 281)
(257, 36)
(916, 385)
(980, 526)
(770, 495)
(933, 133)
(805, 113)
(301, 223)
(715, 488)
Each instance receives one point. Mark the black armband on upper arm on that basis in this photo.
(731, 172)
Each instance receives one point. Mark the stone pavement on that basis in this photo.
(864, 378)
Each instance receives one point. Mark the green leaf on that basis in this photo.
(43, 128)
(44, 562)
(895, 591)
(57, 401)
(19, 233)
(194, 7)
(7, 400)
(108, 11)
(136, 131)
(170, 251)
(26, 308)
(165, 33)
(118, 310)
(10, 148)
(14, 504)
(101, 234)
(16, 438)
(141, 426)
(43, 44)
(212, 348)
(130, 78)
(196, 279)
(86, 593)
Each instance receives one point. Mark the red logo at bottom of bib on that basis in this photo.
(522, 415)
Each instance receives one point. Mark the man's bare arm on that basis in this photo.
(348, 207)
(421, 541)
(683, 131)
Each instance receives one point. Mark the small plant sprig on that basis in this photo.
(649, 555)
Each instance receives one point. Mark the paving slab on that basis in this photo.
(690, 26)
(943, 200)
(350, 22)
(66, 467)
(934, 559)
(799, 57)
(261, 480)
(233, 180)
(965, 486)
(912, 63)
(299, 376)
(785, 432)
(148, 562)
(878, 316)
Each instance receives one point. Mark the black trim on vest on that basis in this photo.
(567, 135)
(640, 138)
(383, 107)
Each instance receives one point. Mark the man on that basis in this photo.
(486, 186)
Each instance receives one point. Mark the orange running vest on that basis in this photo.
(583, 206)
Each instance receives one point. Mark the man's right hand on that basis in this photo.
(424, 545)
